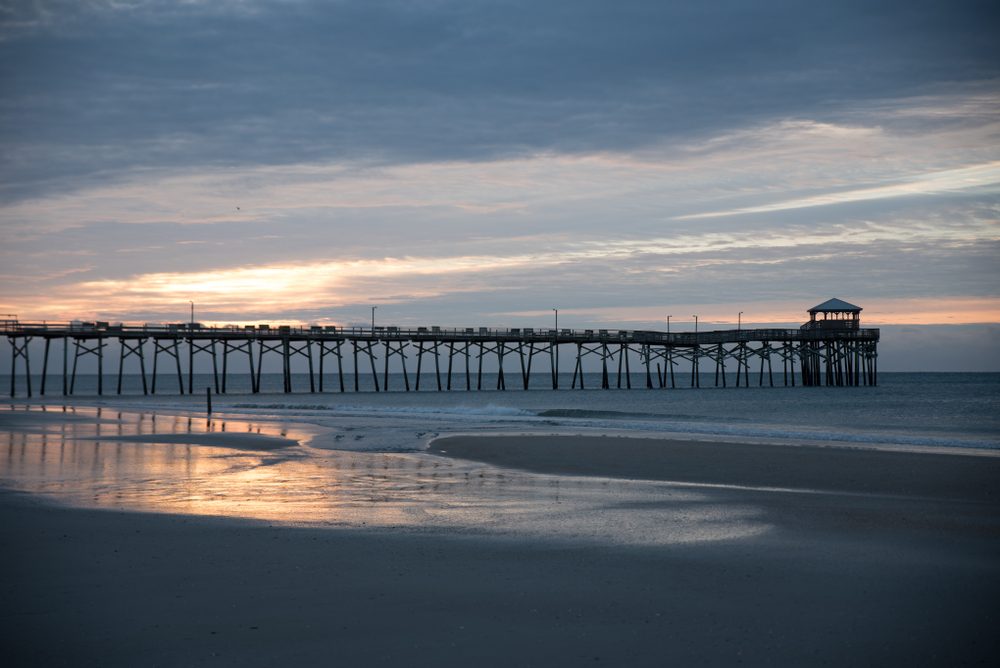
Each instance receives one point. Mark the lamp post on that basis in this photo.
(373, 318)
(557, 320)
(695, 323)
(739, 321)
(192, 313)
(668, 323)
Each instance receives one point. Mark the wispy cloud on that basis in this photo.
(611, 266)
(982, 178)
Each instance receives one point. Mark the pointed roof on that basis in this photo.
(835, 305)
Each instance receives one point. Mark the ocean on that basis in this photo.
(923, 410)
(360, 460)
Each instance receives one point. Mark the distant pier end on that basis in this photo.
(831, 349)
(835, 356)
(836, 315)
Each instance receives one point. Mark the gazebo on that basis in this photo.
(837, 314)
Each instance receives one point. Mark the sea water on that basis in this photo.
(360, 458)
(923, 410)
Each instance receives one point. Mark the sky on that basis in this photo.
(472, 163)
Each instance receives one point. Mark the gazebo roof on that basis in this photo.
(835, 306)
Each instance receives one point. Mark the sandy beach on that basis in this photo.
(854, 557)
(931, 475)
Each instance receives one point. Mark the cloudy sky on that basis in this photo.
(478, 163)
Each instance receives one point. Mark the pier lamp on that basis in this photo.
(192, 313)
(557, 320)
(373, 317)
(695, 323)
(739, 321)
(668, 323)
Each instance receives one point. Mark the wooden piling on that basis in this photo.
(840, 357)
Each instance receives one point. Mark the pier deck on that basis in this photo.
(838, 355)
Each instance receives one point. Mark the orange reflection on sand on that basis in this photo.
(181, 464)
(251, 469)
(280, 486)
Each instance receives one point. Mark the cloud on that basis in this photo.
(982, 179)
(467, 163)
(601, 229)
(893, 258)
(93, 91)
(759, 168)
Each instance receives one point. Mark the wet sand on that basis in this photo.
(215, 440)
(971, 476)
(863, 561)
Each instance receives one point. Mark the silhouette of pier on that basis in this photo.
(831, 350)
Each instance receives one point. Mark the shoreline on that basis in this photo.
(315, 422)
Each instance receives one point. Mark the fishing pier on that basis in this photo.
(831, 349)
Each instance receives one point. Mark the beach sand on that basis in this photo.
(971, 476)
(867, 558)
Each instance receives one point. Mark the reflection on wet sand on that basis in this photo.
(175, 464)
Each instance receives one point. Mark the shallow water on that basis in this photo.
(360, 460)
(80, 457)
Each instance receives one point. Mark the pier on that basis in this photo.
(831, 349)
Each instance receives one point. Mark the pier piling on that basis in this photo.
(834, 352)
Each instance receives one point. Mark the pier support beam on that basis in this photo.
(833, 356)
(246, 346)
(270, 347)
(431, 350)
(368, 348)
(525, 367)
(45, 365)
(554, 360)
(172, 348)
(331, 348)
(19, 349)
(395, 348)
(128, 348)
(65, 366)
(199, 347)
(291, 348)
(83, 349)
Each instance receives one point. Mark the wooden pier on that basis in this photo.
(831, 351)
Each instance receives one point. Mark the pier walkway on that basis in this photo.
(825, 352)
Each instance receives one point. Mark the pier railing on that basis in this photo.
(393, 333)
